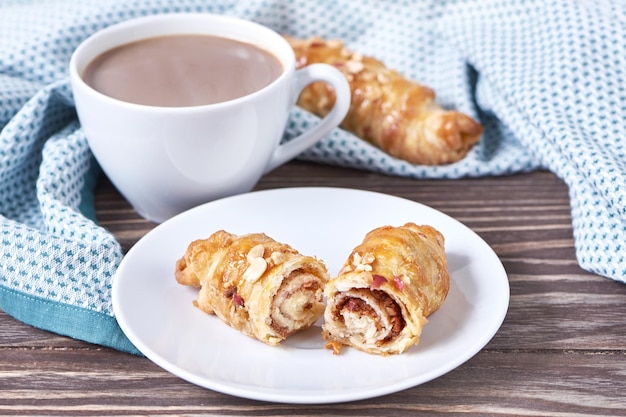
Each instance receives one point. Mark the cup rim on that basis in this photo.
(286, 58)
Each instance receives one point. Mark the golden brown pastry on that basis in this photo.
(393, 113)
(261, 287)
(390, 283)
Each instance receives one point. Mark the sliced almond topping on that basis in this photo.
(368, 258)
(277, 258)
(354, 67)
(346, 268)
(362, 263)
(255, 270)
(256, 252)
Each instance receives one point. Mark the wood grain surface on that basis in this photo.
(561, 350)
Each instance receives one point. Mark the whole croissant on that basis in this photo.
(393, 113)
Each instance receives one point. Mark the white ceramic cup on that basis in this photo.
(165, 160)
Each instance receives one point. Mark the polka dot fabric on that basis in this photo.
(545, 78)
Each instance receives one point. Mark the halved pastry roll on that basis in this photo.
(398, 115)
(390, 283)
(259, 286)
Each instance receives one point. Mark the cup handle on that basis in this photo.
(304, 77)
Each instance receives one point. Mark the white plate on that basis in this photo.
(157, 314)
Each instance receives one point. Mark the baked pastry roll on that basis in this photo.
(393, 113)
(261, 287)
(389, 284)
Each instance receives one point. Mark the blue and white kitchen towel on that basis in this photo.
(547, 79)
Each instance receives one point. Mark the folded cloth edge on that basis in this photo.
(69, 320)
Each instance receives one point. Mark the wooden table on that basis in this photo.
(561, 350)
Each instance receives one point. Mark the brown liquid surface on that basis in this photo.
(182, 70)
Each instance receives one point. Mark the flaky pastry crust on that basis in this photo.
(388, 286)
(261, 287)
(396, 114)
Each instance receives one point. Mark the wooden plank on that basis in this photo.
(61, 382)
(17, 335)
